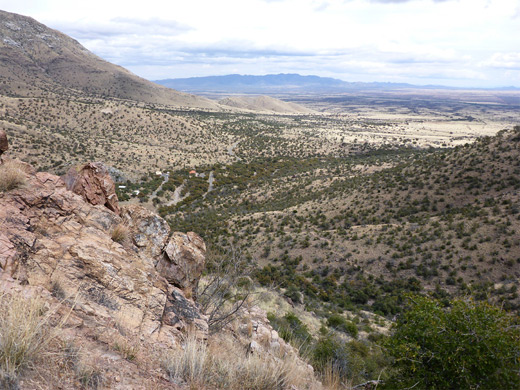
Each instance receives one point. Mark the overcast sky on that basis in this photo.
(447, 42)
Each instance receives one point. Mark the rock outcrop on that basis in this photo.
(149, 232)
(53, 239)
(4, 144)
(93, 182)
(125, 305)
(183, 260)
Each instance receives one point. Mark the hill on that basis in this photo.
(264, 104)
(359, 232)
(36, 60)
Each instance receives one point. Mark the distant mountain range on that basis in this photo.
(283, 83)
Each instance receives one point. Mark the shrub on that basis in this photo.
(225, 288)
(467, 345)
(338, 322)
(291, 329)
(12, 175)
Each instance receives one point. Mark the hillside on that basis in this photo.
(38, 61)
(264, 104)
(359, 232)
(97, 296)
(158, 240)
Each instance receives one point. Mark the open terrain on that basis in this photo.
(337, 204)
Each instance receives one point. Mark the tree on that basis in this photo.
(467, 345)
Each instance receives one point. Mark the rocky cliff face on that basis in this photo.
(52, 238)
(124, 283)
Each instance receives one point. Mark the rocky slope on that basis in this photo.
(123, 285)
(36, 60)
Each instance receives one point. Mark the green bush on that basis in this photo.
(468, 345)
(338, 322)
(291, 329)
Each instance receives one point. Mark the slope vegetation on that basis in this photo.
(359, 232)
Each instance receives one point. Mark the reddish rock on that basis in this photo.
(93, 182)
(4, 144)
(183, 261)
(51, 238)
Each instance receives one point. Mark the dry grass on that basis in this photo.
(12, 176)
(121, 233)
(224, 364)
(190, 364)
(25, 332)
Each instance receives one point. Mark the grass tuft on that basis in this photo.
(189, 364)
(225, 364)
(121, 234)
(25, 332)
(12, 175)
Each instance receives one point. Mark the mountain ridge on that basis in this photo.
(37, 60)
(290, 83)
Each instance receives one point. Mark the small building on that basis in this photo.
(121, 187)
(158, 173)
(193, 172)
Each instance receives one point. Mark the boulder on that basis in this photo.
(4, 144)
(149, 231)
(183, 261)
(184, 315)
(93, 182)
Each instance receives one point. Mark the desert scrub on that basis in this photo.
(120, 234)
(25, 332)
(12, 175)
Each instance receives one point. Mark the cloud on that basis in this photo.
(361, 40)
(509, 61)
(120, 26)
(403, 1)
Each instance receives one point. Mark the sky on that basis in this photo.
(463, 43)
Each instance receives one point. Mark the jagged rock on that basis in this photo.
(183, 314)
(93, 182)
(183, 261)
(4, 144)
(51, 238)
(149, 231)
